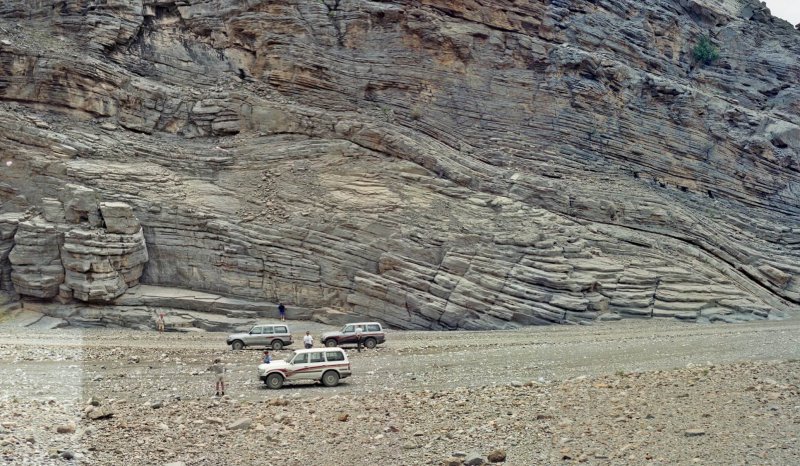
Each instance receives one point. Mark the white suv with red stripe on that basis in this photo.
(326, 365)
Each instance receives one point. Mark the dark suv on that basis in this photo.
(371, 335)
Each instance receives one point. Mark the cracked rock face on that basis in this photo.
(446, 164)
(101, 265)
(85, 262)
(35, 262)
(8, 227)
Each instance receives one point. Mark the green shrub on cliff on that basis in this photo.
(705, 52)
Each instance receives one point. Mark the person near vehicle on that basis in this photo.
(358, 338)
(267, 358)
(308, 340)
(218, 370)
(282, 311)
(160, 322)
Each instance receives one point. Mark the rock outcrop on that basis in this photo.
(101, 265)
(8, 227)
(88, 251)
(36, 268)
(436, 165)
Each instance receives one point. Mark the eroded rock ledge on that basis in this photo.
(86, 250)
(434, 165)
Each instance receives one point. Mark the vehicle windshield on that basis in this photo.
(290, 357)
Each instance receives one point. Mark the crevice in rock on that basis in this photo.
(335, 19)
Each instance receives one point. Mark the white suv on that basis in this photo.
(328, 365)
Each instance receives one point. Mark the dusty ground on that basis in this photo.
(656, 392)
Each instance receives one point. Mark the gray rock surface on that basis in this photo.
(101, 265)
(35, 263)
(8, 228)
(436, 165)
(240, 424)
(474, 459)
(82, 255)
(99, 412)
(119, 218)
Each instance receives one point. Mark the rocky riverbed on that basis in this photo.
(639, 392)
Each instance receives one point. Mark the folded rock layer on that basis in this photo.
(436, 164)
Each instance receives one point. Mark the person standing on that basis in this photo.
(358, 338)
(218, 370)
(267, 358)
(160, 322)
(308, 340)
(282, 311)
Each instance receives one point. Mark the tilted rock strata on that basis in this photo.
(440, 165)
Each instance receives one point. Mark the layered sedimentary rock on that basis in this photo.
(436, 164)
(100, 265)
(35, 259)
(87, 251)
(8, 227)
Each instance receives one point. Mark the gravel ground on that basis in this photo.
(631, 392)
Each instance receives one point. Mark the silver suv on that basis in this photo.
(275, 336)
(326, 365)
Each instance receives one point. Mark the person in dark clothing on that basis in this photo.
(282, 311)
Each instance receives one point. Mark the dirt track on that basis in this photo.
(64, 368)
(409, 360)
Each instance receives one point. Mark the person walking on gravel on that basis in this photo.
(308, 340)
(218, 370)
(282, 311)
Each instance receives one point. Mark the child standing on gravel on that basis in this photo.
(218, 370)
(308, 340)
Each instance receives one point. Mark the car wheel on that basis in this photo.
(370, 343)
(277, 345)
(274, 381)
(330, 343)
(237, 345)
(330, 379)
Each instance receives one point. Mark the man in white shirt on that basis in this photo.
(308, 340)
(358, 338)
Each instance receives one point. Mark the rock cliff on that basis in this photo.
(92, 263)
(434, 164)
